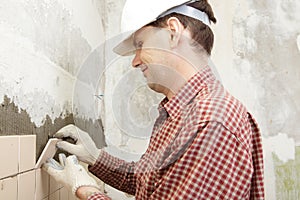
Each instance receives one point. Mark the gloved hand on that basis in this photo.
(85, 148)
(69, 173)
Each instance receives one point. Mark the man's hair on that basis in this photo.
(200, 32)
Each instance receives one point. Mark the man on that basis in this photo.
(204, 144)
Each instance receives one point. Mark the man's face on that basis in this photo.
(154, 57)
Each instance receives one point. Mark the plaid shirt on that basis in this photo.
(204, 145)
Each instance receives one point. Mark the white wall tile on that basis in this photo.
(26, 185)
(41, 184)
(27, 154)
(9, 155)
(54, 196)
(9, 189)
(72, 196)
(54, 186)
(64, 194)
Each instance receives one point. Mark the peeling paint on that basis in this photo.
(34, 82)
(43, 44)
(287, 177)
(24, 80)
(282, 146)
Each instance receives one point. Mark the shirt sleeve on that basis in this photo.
(98, 196)
(257, 189)
(115, 172)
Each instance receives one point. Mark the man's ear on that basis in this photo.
(176, 29)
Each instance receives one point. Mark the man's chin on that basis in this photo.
(156, 87)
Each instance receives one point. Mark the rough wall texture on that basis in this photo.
(43, 44)
(265, 38)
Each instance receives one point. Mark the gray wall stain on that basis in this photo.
(288, 179)
(263, 39)
(111, 10)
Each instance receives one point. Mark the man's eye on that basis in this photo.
(139, 45)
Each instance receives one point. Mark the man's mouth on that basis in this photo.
(144, 68)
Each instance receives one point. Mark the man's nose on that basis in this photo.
(137, 59)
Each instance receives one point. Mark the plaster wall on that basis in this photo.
(43, 44)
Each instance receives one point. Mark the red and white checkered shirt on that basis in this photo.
(204, 145)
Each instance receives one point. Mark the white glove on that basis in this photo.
(85, 148)
(69, 173)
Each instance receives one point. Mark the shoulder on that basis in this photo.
(215, 104)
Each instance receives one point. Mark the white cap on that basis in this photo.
(138, 13)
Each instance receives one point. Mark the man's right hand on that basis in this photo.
(84, 148)
(71, 174)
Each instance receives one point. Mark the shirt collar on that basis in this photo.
(188, 92)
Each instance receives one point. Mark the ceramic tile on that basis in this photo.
(41, 184)
(48, 152)
(72, 196)
(54, 196)
(54, 186)
(9, 189)
(9, 155)
(26, 185)
(27, 154)
(64, 194)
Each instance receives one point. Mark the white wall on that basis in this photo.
(43, 43)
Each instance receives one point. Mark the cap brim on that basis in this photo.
(126, 46)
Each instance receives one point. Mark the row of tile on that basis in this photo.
(17, 155)
(33, 185)
(18, 178)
